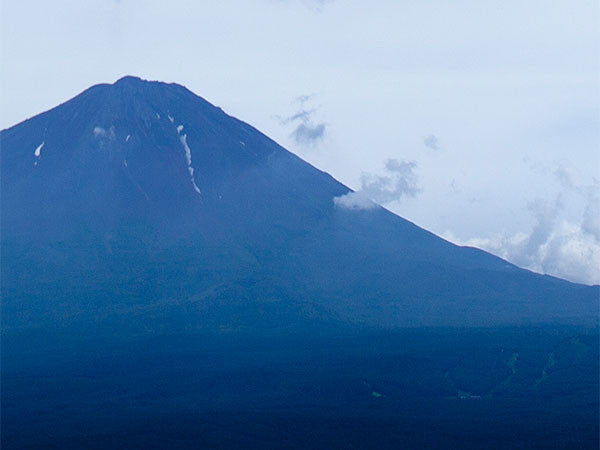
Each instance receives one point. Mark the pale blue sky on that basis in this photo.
(496, 102)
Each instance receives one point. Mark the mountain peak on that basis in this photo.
(130, 85)
(129, 80)
(132, 81)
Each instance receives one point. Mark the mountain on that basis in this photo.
(163, 261)
(142, 193)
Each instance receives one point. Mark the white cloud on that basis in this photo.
(556, 245)
(591, 217)
(400, 181)
(355, 201)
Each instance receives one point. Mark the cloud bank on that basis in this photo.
(556, 244)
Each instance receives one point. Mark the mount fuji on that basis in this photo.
(142, 193)
(142, 223)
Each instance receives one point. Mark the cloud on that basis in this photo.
(555, 245)
(399, 181)
(591, 217)
(590, 222)
(354, 200)
(303, 115)
(432, 142)
(307, 132)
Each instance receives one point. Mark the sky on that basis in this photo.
(475, 119)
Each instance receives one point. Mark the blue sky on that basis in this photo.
(477, 120)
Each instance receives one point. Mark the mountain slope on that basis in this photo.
(140, 205)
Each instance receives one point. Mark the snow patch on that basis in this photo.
(125, 163)
(188, 154)
(243, 143)
(38, 150)
(104, 134)
(99, 132)
(127, 138)
(188, 159)
(170, 118)
(158, 116)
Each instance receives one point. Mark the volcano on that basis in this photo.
(142, 193)
(138, 212)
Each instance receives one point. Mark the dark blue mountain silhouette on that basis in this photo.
(173, 278)
(143, 193)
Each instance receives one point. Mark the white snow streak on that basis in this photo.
(158, 116)
(170, 118)
(38, 150)
(188, 155)
(127, 138)
(188, 158)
